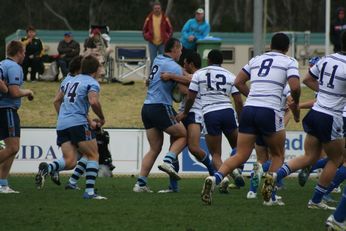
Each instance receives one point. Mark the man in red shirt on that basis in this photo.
(157, 29)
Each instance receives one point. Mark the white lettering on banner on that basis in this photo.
(127, 146)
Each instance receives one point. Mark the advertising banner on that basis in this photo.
(128, 146)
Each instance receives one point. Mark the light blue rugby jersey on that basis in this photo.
(159, 91)
(75, 107)
(12, 73)
(66, 79)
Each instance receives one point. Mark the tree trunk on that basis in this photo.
(236, 11)
(217, 14)
(28, 7)
(169, 7)
(95, 12)
(248, 12)
(58, 15)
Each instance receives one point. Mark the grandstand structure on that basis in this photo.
(236, 47)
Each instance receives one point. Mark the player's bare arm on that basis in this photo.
(166, 76)
(287, 117)
(183, 89)
(294, 84)
(190, 99)
(59, 97)
(93, 123)
(311, 82)
(307, 105)
(290, 107)
(240, 83)
(3, 87)
(238, 103)
(95, 104)
(16, 92)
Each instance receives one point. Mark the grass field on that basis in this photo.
(121, 104)
(54, 208)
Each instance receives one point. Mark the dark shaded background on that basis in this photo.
(225, 15)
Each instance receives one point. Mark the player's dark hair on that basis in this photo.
(90, 65)
(215, 57)
(343, 41)
(194, 58)
(280, 41)
(13, 48)
(156, 4)
(75, 65)
(339, 9)
(30, 28)
(170, 44)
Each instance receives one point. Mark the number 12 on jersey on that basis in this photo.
(216, 85)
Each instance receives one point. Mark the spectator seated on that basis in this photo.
(98, 45)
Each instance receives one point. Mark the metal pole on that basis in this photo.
(327, 29)
(257, 29)
(206, 10)
(265, 12)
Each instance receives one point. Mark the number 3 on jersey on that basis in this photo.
(71, 91)
(265, 68)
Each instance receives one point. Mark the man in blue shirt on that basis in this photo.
(73, 127)
(194, 29)
(158, 116)
(12, 74)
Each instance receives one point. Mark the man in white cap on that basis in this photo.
(194, 29)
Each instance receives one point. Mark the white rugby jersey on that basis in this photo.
(330, 72)
(196, 107)
(268, 75)
(215, 84)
